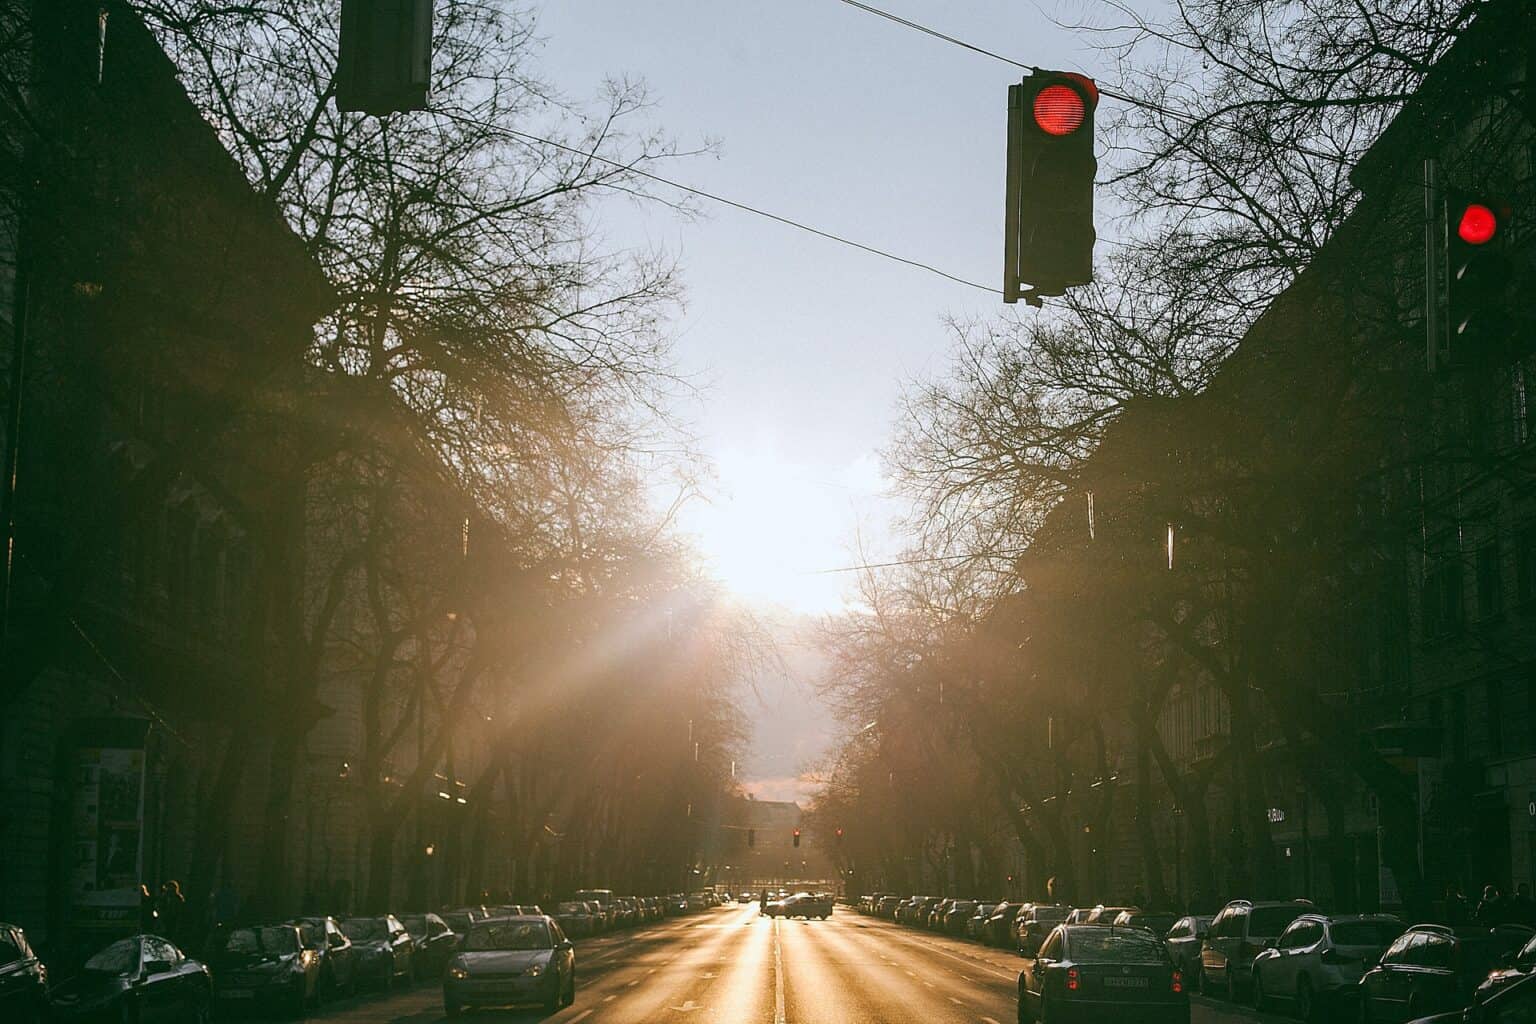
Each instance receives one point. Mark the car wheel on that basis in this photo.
(450, 1009)
(552, 1004)
(1231, 984)
(1305, 1006)
(570, 990)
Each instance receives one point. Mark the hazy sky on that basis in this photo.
(833, 117)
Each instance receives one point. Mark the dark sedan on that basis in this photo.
(139, 978)
(267, 967)
(1100, 972)
(383, 949)
(338, 960)
(433, 944)
(23, 979)
(1433, 969)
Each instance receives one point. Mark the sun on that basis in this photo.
(774, 526)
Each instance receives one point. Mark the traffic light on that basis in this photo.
(797, 837)
(384, 62)
(1048, 219)
(839, 834)
(1477, 269)
(751, 837)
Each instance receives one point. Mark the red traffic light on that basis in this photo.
(797, 832)
(1059, 110)
(1477, 225)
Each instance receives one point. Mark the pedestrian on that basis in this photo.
(762, 903)
(172, 908)
(1491, 909)
(149, 920)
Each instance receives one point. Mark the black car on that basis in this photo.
(433, 943)
(1092, 972)
(338, 961)
(999, 930)
(383, 949)
(267, 967)
(140, 978)
(23, 979)
(1433, 969)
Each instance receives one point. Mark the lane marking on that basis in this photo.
(955, 1001)
(583, 1015)
(988, 1020)
(609, 999)
(778, 977)
(634, 983)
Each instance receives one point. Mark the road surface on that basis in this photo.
(730, 966)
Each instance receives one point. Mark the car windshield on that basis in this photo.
(507, 935)
(1365, 933)
(261, 940)
(1115, 946)
(119, 958)
(1271, 921)
(366, 928)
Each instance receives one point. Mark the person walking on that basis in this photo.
(762, 903)
(1491, 910)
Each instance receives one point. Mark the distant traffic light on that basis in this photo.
(1477, 277)
(1048, 214)
(384, 63)
(797, 837)
(839, 834)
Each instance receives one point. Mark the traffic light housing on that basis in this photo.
(1477, 271)
(1048, 215)
(797, 837)
(384, 63)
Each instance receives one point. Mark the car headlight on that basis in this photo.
(458, 973)
(534, 970)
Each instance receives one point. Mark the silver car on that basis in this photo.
(1318, 960)
(510, 960)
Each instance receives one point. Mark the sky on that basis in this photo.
(839, 119)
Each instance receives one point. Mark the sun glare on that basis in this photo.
(773, 526)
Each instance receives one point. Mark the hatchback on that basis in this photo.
(1318, 961)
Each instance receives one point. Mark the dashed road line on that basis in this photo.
(583, 1015)
(778, 977)
(609, 999)
(988, 1020)
(956, 1001)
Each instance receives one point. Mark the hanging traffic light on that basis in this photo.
(384, 63)
(797, 837)
(1048, 214)
(1477, 269)
(839, 834)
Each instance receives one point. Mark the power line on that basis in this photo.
(1112, 92)
(528, 137)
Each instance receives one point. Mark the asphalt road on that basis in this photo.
(730, 966)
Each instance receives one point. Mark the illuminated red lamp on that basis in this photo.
(1072, 979)
(1478, 224)
(1178, 981)
(1059, 110)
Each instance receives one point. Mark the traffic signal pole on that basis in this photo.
(1435, 335)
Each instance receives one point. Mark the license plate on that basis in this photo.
(237, 993)
(1125, 982)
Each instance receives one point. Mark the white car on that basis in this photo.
(1319, 959)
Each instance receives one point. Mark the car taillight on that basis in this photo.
(1072, 979)
(1178, 981)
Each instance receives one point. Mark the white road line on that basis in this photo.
(988, 1020)
(778, 977)
(909, 974)
(583, 1015)
(634, 983)
(955, 1001)
(609, 999)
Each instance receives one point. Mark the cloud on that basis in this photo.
(786, 787)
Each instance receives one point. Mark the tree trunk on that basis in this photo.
(381, 867)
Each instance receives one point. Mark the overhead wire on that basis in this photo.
(714, 197)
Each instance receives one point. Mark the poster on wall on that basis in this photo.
(107, 835)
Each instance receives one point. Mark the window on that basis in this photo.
(1438, 951)
(1294, 937)
(1051, 949)
(1441, 596)
(1525, 564)
(1490, 583)
(1397, 952)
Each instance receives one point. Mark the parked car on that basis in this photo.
(887, 906)
(1106, 915)
(460, 918)
(1512, 1004)
(266, 966)
(1184, 941)
(976, 924)
(1034, 922)
(383, 949)
(802, 904)
(934, 919)
(1236, 936)
(120, 977)
(512, 960)
(1432, 969)
(338, 960)
(1000, 925)
(1520, 964)
(1092, 972)
(23, 979)
(1316, 964)
(1155, 921)
(1079, 915)
(575, 919)
(432, 944)
(957, 915)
